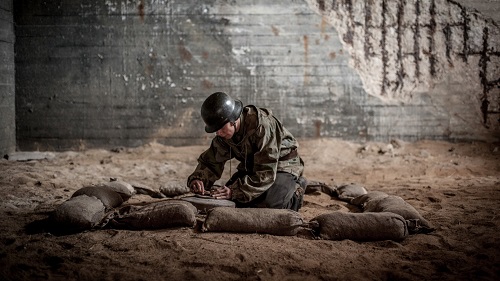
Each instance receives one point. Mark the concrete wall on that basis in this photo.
(436, 58)
(7, 75)
(117, 72)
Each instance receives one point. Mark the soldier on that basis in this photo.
(270, 171)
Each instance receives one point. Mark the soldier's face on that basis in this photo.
(226, 132)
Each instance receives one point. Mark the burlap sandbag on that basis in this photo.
(125, 189)
(205, 204)
(147, 190)
(362, 199)
(360, 226)
(253, 220)
(77, 214)
(156, 215)
(108, 197)
(174, 188)
(347, 192)
(316, 187)
(398, 205)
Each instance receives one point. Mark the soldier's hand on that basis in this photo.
(197, 187)
(222, 193)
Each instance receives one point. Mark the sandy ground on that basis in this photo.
(456, 186)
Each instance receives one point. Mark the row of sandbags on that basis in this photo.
(378, 202)
(384, 217)
(93, 205)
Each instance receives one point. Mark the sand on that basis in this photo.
(456, 186)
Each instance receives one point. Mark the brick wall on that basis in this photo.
(108, 73)
(7, 87)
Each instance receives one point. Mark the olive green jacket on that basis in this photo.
(259, 144)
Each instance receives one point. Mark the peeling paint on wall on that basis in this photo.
(402, 48)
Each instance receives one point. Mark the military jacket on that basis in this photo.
(260, 145)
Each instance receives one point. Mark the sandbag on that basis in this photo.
(108, 197)
(348, 192)
(123, 188)
(362, 199)
(205, 204)
(398, 205)
(174, 188)
(282, 222)
(156, 215)
(360, 226)
(78, 213)
(146, 190)
(316, 186)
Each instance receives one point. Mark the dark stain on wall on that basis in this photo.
(449, 43)
(488, 86)
(225, 21)
(367, 45)
(275, 30)
(335, 5)
(317, 125)
(141, 10)
(321, 5)
(348, 37)
(484, 109)
(483, 65)
(432, 34)
(306, 48)
(385, 58)
(207, 84)
(399, 31)
(465, 26)
(184, 53)
(416, 38)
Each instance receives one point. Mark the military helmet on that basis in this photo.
(218, 109)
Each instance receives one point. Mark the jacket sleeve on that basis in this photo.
(267, 140)
(211, 163)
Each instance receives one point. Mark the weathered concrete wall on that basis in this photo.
(117, 72)
(436, 54)
(7, 75)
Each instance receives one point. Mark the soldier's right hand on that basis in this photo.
(197, 187)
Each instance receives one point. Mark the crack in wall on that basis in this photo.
(432, 33)
(400, 73)
(416, 38)
(368, 47)
(465, 26)
(448, 43)
(385, 59)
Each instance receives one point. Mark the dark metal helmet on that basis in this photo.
(218, 109)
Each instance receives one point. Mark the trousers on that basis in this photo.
(283, 194)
